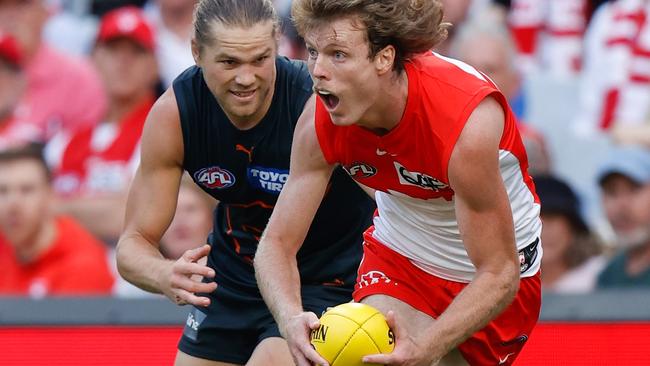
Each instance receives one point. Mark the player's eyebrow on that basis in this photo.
(225, 55)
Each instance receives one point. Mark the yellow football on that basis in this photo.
(350, 331)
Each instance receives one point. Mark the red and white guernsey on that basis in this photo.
(408, 167)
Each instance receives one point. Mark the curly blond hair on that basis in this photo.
(411, 26)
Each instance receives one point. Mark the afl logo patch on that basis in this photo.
(360, 170)
(214, 177)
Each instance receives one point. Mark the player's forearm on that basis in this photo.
(480, 302)
(279, 282)
(140, 263)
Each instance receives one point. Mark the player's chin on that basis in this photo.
(340, 119)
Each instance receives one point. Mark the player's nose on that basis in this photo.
(245, 77)
(318, 69)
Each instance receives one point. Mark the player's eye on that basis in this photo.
(313, 54)
(339, 56)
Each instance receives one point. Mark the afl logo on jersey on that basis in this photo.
(360, 170)
(214, 177)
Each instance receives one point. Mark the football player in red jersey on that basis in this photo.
(455, 239)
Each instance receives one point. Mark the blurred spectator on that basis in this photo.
(615, 82)
(291, 44)
(549, 34)
(62, 92)
(13, 130)
(99, 162)
(455, 12)
(504, 3)
(70, 28)
(625, 182)
(42, 254)
(172, 20)
(192, 222)
(100, 7)
(572, 254)
(486, 44)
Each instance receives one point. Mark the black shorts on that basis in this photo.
(236, 322)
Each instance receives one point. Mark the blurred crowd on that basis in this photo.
(78, 77)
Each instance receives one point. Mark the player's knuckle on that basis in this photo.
(193, 287)
(177, 281)
(177, 267)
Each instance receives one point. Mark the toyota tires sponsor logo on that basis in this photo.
(373, 278)
(360, 170)
(270, 180)
(214, 177)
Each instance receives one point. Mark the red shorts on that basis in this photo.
(385, 272)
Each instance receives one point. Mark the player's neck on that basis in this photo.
(388, 109)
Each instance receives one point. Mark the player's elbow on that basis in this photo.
(510, 281)
(504, 281)
(262, 254)
(123, 255)
(120, 257)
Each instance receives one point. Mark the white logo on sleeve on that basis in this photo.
(503, 360)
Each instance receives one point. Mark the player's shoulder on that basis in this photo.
(162, 133)
(187, 79)
(294, 74)
(447, 73)
(292, 67)
(165, 107)
(188, 74)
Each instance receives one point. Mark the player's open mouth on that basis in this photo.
(243, 94)
(330, 100)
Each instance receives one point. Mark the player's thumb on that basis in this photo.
(391, 320)
(312, 320)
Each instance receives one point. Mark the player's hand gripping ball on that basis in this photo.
(350, 331)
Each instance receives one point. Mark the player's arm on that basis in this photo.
(150, 210)
(276, 267)
(487, 230)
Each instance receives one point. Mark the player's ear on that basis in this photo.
(385, 59)
(196, 50)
